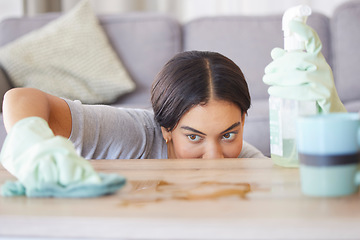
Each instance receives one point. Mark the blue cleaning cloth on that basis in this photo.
(49, 166)
(110, 183)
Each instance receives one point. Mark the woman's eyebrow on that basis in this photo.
(231, 127)
(192, 129)
(197, 131)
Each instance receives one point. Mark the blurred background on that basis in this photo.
(183, 10)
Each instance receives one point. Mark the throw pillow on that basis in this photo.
(69, 57)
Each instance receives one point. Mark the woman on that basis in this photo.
(199, 99)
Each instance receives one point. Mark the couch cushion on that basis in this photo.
(346, 38)
(257, 128)
(70, 57)
(353, 106)
(4, 86)
(248, 41)
(144, 42)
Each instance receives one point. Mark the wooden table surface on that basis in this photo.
(187, 199)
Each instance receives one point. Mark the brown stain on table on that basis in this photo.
(150, 191)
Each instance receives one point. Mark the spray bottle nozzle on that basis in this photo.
(298, 13)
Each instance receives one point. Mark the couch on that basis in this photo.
(145, 41)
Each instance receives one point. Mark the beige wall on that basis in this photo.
(187, 9)
(183, 10)
(10, 8)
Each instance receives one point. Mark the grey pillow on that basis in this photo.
(70, 57)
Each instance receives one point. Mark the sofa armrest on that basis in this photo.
(4, 86)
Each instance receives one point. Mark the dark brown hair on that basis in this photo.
(193, 78)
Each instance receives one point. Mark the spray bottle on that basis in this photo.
(285, 112)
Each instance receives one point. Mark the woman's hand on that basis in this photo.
(49, 166)
(303, 75)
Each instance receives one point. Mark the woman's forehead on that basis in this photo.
(215, 115)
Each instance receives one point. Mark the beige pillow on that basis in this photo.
(69, 57)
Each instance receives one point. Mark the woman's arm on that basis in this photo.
(20, 103)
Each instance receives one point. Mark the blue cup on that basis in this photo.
(329, 154)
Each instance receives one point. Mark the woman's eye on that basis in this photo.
(229, 136)
(194, 138)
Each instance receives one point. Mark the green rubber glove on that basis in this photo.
(303, 75)
(49, 166)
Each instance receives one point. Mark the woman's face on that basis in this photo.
(214, 130)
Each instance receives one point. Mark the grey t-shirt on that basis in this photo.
(105, 132)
